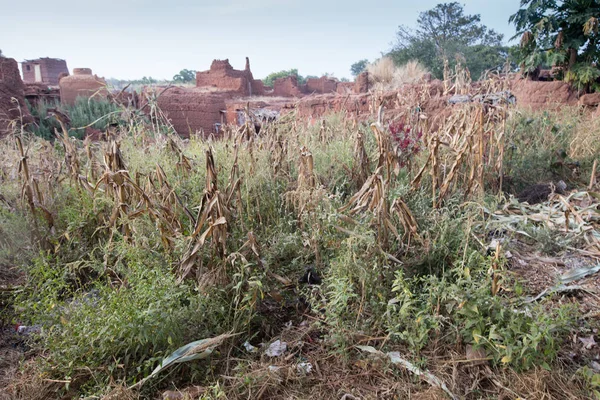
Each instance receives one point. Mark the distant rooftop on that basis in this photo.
(44, 58)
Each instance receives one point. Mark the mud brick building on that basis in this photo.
(44, 70)
(81, 84)
(12, 101)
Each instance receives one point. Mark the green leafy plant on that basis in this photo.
(94, 113)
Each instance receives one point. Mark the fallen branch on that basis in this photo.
(396, 359)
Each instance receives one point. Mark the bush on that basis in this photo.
(461, 302)
(123, 330)
(95, 113)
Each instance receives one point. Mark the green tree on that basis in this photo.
(185, 76)
(268, 81)
(147, 80)
(359, 67)
(447, 33)
(562, 34)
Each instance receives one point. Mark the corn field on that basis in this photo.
(326, 236)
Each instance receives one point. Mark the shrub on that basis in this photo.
(123, 328)
(95, 113)
(510, 333)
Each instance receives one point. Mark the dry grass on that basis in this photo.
(586, 141)
(385, 75)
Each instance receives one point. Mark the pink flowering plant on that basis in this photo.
(407, 141)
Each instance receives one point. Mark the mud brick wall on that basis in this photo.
(35, 92)
(222, 76)
(361, 84)
(345, 87)
(50, 68)
(258, 88)
(192, 110)
(538, 95)
(11, 86)
(287, 87)
(321, 85)
(81, 84)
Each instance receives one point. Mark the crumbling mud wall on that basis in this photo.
(221, 97)
(590, 100)
(193, 110)
(11, 87)
(361, 84)
(287, 87)
(321, 85)
(258, 88)
(237, 112)
(538, 95)
(317, 106)
(345, 87)
(36, 92)
(222, 76)
(50, 70)
(81, 84)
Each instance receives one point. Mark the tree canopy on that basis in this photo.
(446, 33)
(268, 81)
(562, 34)
(185, 76)
(359, 67)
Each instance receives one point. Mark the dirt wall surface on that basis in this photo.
(540, 95)
(236, 110)
(258, 88)
(361, 84)
(321, 85)
(34, 92)
(50, 69)
(11, 86)
(287, 87)
(345, 87)
(193, 110)
(223, 77)
(81, 84)
(590, 100)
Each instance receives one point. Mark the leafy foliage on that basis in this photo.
(127, 330)
(185, 76)
(268, 81)
(95, 113)
(560, 33)
(359, 67)
(447, 33)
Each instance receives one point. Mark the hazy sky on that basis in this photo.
(133, 38)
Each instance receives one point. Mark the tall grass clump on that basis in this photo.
(548, 146)
(386, 75)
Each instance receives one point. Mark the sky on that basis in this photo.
(129, 39)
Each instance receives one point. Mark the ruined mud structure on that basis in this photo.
(222, 76)
(12, 101)
(203, 108)
(44, 70)
(224, 95)
(81, 84)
